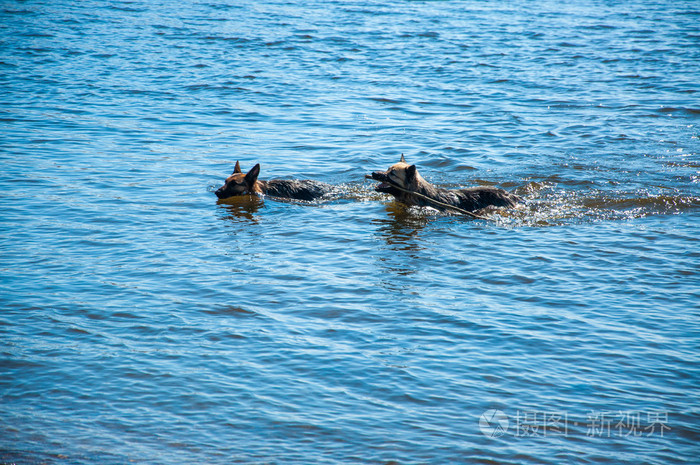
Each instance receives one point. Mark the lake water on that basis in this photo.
(143, 321)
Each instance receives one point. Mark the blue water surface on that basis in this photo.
(144, 321)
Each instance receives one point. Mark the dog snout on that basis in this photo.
(380, 176)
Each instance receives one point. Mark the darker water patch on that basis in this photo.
(232, 311)
(231, 39)
(384, 100)
(686, 110)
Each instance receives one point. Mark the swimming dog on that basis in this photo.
(404, 176)
(244, 184)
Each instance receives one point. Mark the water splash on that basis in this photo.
(548, 205)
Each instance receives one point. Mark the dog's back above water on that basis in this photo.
(402, 177)
(248, 184)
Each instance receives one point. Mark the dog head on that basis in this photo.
(400, 174)
(239, 183)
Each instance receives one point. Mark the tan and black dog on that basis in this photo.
(406, 176)
(244, 184)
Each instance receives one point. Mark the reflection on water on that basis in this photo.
(242, 208)
(401, 229)
(401, 234)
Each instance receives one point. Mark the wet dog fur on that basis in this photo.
(407, 177)
(248, 183)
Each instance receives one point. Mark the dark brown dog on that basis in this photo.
(406, 176)
(244, 184)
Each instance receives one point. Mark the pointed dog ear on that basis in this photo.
(237, 169)
(410, 173)
(252, 175)
(403, 160)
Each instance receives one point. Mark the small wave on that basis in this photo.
(599, 27)
(216, 88)
(126, 9)
(425, 35)
(690, 111)
(231, 311)
(384, 100)
(222, 6)
(37, 35)
(9, 11)
(236, 40)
